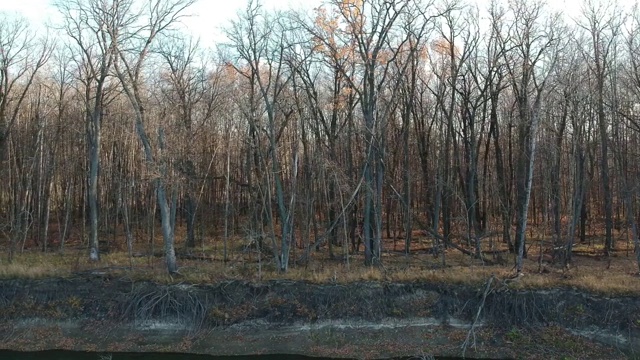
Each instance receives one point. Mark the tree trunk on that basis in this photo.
(578, 202)
(525, 176)
(191, 219)
(167, 230)
(94, 140)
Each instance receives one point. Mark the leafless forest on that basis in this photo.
(361, 127)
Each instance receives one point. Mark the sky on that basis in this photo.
(209, 16)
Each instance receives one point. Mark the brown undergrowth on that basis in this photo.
(590, 270)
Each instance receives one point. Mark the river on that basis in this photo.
(76, 355)
(71, 355)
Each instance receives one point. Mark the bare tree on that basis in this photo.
(185, 87)
(532, 48)
(603, 23)
(408, 68)
(495, 78)
(322, 92)
(22, 55)
(631, 114)
(87, 24)
(260, 45)
(135, 36)
(368, 35)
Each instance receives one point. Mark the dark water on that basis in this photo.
(71, 355)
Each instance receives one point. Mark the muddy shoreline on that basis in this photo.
(359, 320)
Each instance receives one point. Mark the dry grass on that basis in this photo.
(590, 271)
(23, 270)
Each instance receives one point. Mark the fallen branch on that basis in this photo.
(473, 254)
(472, 332)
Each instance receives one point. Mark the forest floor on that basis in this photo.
(589, 270)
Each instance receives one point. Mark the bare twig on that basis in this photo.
(472, 332)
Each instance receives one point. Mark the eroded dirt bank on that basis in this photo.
(360, 320)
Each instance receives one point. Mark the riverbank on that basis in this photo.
(357, 320)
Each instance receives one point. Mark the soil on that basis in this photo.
(364, 320)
